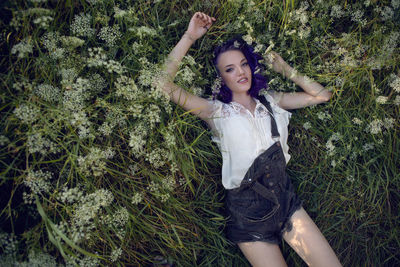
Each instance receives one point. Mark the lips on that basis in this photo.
(243, 80)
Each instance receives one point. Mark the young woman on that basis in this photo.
(251, 133)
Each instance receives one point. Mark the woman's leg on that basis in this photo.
(262, 254)
(307, 240)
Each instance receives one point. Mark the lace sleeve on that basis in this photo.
(276, 96)
(216, 107)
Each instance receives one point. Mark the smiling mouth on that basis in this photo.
(243, 80)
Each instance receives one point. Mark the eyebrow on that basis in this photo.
(232, 64)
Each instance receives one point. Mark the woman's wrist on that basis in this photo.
(189, 36)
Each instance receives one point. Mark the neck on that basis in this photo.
(244, 99)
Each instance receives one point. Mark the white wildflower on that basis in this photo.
(248, 39)
(126, 87)
(70, 195)
(350, 178)
(307, 125)
(94, 162)
(386, 12)
(83, 124)
(97, 57)
(9, 243)
(27, 113)
(137, 139)
(168, 183)
(157, 157)
(4, 140)
(143, 31)
(24, 85)
(375, 126)
(51, 41)
(37, 143)
(395, 4)
(357, 121)
(72, 41)
(137, 198)
(337, 12)
(357, 16)
(388, 123)
(97, 83)
(48, 92)
(339, 81)
(174, 167)
(330, 143)
(89, 207)
(196, 90)
(117, 221)
(381, 99)
(81, 25)
(333, 163)
(304, 32)
(169, 137)
(38, 181)
(216, 86)
(164, 197)
(152, 114)
(68, 76)
(110, 35)
(395, 83)
(259, 48)
(115, 254)
(367, 146)
(396, 101)
(23, 48)
(185, 75)
(43, 21)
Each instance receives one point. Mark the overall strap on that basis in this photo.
(274, 128)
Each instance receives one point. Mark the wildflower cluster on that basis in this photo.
(27, 113)
(87, 209)
(94, 162)
(48, 92)
(299, 19)
(38, 182)
(51, 41)
(23, 48)
(110, 35)
(38, 143)
(98, 58)
(81, 26)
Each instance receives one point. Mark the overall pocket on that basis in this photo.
(251, 207)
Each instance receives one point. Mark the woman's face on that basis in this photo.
(235, 71)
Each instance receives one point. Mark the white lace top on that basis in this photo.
(241, 137)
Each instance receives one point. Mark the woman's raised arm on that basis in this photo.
(314, 92)
(198, 26)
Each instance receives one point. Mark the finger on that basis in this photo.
(209, 20)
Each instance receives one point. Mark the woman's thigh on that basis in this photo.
(307, 240)
(262, 254)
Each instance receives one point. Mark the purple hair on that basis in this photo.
(258, 81)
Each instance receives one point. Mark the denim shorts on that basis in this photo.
(260, 209)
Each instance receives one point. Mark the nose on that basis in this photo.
(240, 71)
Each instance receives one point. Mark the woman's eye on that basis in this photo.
(245, 64)
(229, 70)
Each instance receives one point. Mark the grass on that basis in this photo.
(150, 170)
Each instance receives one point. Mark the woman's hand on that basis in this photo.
(199, 25)
(277, 63)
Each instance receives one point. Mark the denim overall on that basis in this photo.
(261, 207)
